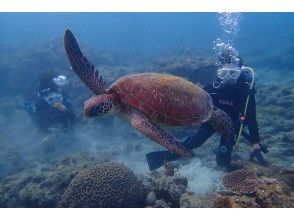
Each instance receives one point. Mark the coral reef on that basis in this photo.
(108, 184)
(266, 192)
(189, 65)
(277, 59)
(273, 194)
(161, 187)
(275, 117)
(42, 186)
(273, 171)
(191, 200)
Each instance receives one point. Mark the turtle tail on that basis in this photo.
(81, 66)
(222, 123)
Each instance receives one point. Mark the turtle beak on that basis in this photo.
(90, 111)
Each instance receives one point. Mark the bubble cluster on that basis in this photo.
(229, 27)
(229, 24)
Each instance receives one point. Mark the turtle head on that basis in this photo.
(99, 105)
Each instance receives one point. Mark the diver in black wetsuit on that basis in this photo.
(52, 105)
(228, 93)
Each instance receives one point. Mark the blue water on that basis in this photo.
(146, 31)
(122, 43)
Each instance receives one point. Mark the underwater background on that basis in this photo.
(36, 169)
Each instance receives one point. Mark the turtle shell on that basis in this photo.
(164, 98)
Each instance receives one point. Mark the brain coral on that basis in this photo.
(240, 181)
(108, 184)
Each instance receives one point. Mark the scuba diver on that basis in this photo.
(233, 92)
(52, 106)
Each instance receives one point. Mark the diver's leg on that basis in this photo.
(42, 125)
(157, 158)
(203, 133)
(224, 154)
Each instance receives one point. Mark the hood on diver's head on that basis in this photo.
(230, 55)
(46, 82)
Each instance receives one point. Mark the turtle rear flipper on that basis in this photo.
(223, 124)
(81, 66)
(159, 135)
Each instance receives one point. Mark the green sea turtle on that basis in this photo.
(147, 99)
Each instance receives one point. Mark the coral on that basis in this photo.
(166, 188)
(273, 193)
(161, 204)
(108, 184)
(240, 181)
(42, 186)
(276, 172)
(270, 189)
(151, 198)
(270, 193)
(234, 202)
(169, 168)
(190, 200)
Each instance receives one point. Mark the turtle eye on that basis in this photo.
(98, 109)
(102, 108)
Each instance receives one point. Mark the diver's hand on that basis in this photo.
(59, 106)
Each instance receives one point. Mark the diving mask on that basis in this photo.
(53, 97)
(229, 73)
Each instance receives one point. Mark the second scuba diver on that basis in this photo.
(52, 105)
(234, 85)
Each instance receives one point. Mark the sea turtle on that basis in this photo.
(147, 99)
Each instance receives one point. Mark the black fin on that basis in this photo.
(263, 148)
(157, 159)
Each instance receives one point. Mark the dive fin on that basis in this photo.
(263, 148)
(157, 159)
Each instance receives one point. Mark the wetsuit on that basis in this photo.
(231, 98)
(45, 115)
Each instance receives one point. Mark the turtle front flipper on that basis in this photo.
(82, 67)
(157, 134)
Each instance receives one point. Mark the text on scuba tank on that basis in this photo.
(226, 102)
